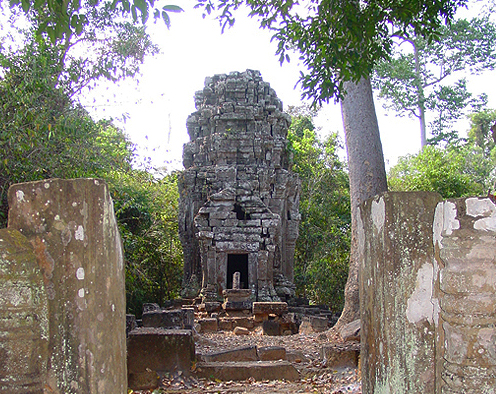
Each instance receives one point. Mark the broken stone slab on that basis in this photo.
(72, 225)
(23, 317)
(159, 351)
(351, 331)
(271, 353)
(339, 356)
(260, 370)
(239, 354)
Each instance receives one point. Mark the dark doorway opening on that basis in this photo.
(237, 263)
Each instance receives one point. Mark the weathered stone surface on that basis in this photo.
(396, 276)
(246, 322)
(267, 308)
(464, 291)
(271, 327)
(261, 370)
(238, 197)
(351, 331)
(239, 354)
(336, 356)
(319, 324)
(131, 323)
(164, 319)
(159, 351)
(23, 317)
(271, 353)
(72, 226)
(296, 356)
(208, 325)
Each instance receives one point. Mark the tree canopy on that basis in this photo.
(62, 19)
(339, 40)
(414, 82)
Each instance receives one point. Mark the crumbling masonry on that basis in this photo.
(238, 198)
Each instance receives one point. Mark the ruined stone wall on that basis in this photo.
(237, 193)
(428, 294)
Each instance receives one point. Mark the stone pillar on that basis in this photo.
(236, 281)
(465, 242)
(72, 226)
(23, 317)
(396, 287)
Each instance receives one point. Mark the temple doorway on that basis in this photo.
(237, 263)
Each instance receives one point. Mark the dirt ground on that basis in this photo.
(316, 376)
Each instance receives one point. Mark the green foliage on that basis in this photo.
(452, 172)
(66, 18)
(483, 130)
(146, 211)
(322, 249)
(413, 83)
(339, 40)
(44, 133)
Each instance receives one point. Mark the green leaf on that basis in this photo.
(166, 19)
(172, 8)
(26, 4)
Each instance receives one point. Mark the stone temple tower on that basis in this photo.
(238, 206)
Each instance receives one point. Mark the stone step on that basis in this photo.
(258, 370)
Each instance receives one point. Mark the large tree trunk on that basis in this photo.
(366, 171)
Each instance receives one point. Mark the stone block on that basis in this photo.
(241, 331)
(276, 308)
(208, 325)
(319, 324)
(236, 305)
(336, 356)
(271, 327)
(246, 322)
(239, 354)
(188, 318)
(72, 226)
(163, 319)
(23, 317)
(271, 353)
(159, 351)
(225, 324)
(261, 370)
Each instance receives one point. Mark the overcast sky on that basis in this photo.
(193, 49)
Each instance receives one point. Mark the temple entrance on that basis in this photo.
(237, 263)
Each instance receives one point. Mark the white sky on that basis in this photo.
(193, 49)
